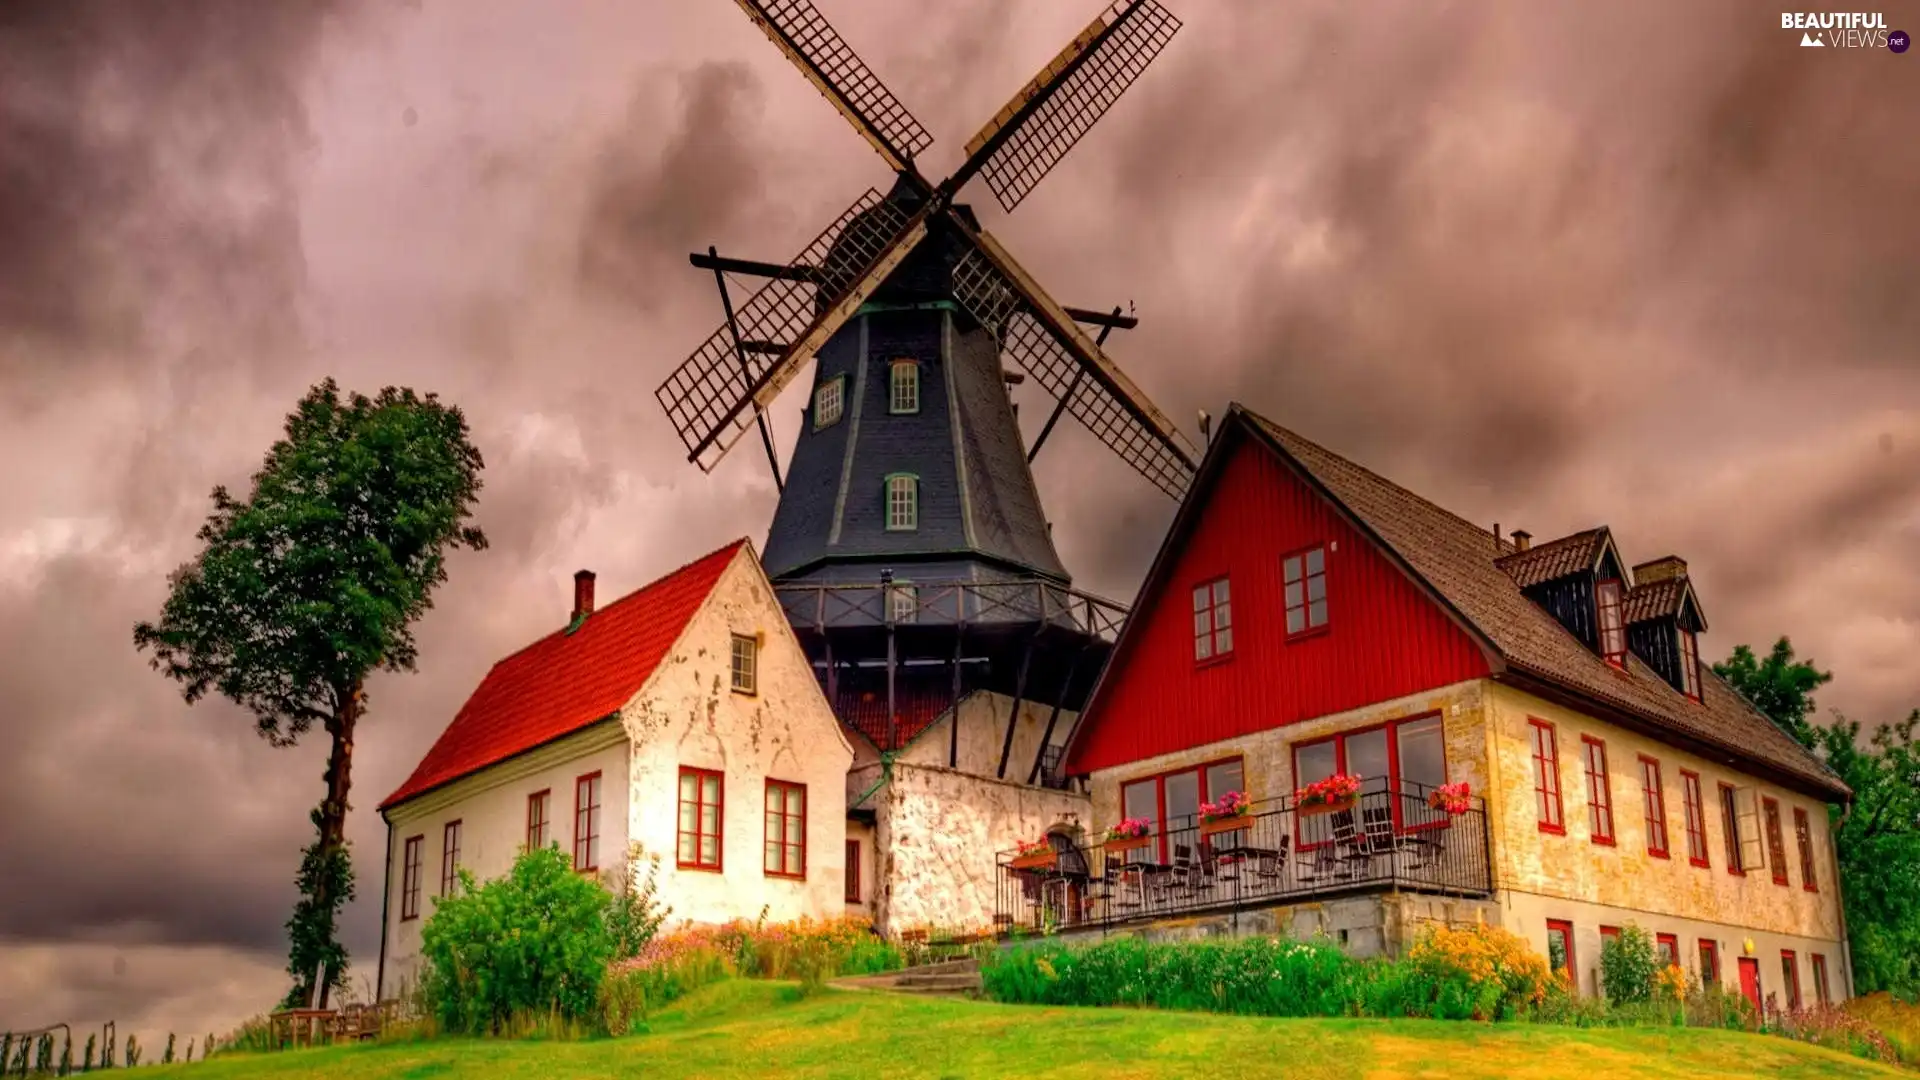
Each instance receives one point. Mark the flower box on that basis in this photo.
(1317, 809)
(1126, 843)
(1454, 799)
(1039, 860)
(1226, 824)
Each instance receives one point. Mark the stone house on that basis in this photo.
(683, 718)
(1306, 617)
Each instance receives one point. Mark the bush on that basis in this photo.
(1899, 1021)
(636, 914)
(1258, 976)
(1826, 1025)
(1477, 973)
(534, 942)
(1629, 966)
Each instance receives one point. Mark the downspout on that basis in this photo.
(1839, 898)
(886, 774)
(386, 890)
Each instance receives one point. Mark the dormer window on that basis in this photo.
(903, 387)
(1689, 664)
(1612, 622)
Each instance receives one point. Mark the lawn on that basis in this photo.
(750, 1028)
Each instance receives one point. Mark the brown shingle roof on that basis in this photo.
(1654, 600)
(1459, 560)
(1555, 558)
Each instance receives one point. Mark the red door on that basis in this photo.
(1750, 979)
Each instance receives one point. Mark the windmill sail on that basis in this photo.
(1029, 136)
(710, 397)
(818, 50)
(1043, 340)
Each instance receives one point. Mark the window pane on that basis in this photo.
(1316, 560)
(593, 851)
(1201, 624)
(1423, 752)
(1223, 778)
(1296, 619)
(711, 796)
(687, 811)
(1292, 569)
(1222, 615)
(1200, 599)
(1203, 646)
(1313, 762)
(1294, 595)
(1220, 594)
(1367, 758)
(1141, 801)
(709, 848)
(794, 835)
(1183, 799)
(1223, 640)
(1317, 587)
(770, 859)
(1317, 613)
(686, 847)
(709, 819)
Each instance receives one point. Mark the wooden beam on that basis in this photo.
(1013, 715)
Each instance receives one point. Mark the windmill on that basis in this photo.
(909, 535)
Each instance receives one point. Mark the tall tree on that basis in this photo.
(310, 584)
(1779, 685)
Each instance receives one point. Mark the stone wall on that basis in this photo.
(939, 831)
(1379, 924)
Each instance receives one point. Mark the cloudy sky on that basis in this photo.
(1554, 265)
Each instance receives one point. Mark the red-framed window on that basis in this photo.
(1212, 621)
(702, 793)
(1560, 949)
(586, 822)
(1689, 665)
(1821, 992)
(853, 872)
(1613, 626)
(1170, 802)
(1546, 777)
(1696, 812)
(449, 857)
(1407, 756)
(786, 842)
(1730, 828)
(539, 818)
(1709, 962)
(410, 877)
(1304, 574)
(1790, 973)
(1655, 797)
(1669, 946)
(1593, 755)
(1803, 835)
(1776, 842)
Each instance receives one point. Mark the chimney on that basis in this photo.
(582, 595)
(1496, 538)
(1522, 539)
(1206, 428)
(1673, 566)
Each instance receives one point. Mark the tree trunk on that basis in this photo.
(333, 811)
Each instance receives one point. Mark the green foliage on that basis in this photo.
(166, 1058)
(636, 913)
(1629, 965)
(22, 1054)
(1878, 843)
(43, 1053)
(1779, 685)
(86, 1060)
(66, 1055)
(314, 581)
(1256, 976)
(133, 1051)
(533, 942)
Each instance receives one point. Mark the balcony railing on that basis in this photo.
(1386, 839)
(820, 606)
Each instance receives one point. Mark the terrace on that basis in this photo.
(1387, 838)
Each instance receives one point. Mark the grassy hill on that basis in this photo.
(749, 1028)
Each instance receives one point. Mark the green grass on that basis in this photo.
(744, 1028)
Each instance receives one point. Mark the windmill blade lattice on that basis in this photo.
(1045, 342)
(824, 57)
(1078, 101)
(711, 397)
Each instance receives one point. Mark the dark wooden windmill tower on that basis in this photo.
(909, 547)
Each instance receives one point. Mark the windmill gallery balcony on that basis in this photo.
(1383, 840)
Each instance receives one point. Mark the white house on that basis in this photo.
(683, 717)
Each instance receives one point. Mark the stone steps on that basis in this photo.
(948, 978)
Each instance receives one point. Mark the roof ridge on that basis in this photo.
(1409, 492)
(623, 598)
(1558, 542)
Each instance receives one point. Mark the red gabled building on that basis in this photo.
(1306, 618)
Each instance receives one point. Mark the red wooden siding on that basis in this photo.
(1384, 637)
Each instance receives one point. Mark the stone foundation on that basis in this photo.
(1378, 924)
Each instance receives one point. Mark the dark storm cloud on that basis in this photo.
(653, 199)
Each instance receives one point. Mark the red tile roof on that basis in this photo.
(567, 681)
(918, 700)
(1555, 558)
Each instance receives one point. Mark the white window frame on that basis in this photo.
(744, 664)
(903, 387)
(902, 502)
(903, 602)
(829, 402)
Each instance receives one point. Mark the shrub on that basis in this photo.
(1629, 966)
(1899, 1021)
(1715, 1006)
(533, 942)
(1259, 976)
(636, 914)
(1476, 973)
(1826, 1025)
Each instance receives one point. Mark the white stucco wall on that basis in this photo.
(491, 806)
(862, 833)
(983, 732)
(688, 715)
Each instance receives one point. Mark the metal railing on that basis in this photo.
(1384, 840)
(904, 603)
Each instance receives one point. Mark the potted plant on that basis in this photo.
(1335, 793)
(1225, 815)
(1452, 798)
(1035, 855)
(1129, 834)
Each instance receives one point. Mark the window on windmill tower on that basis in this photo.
(903, 502)
(1306, 582)
(903, 602)
(904, 383)
(746, 664)
(829, 400)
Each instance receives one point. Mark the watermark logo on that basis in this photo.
(1845, 30)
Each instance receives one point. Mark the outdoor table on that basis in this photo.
(299, 1024)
